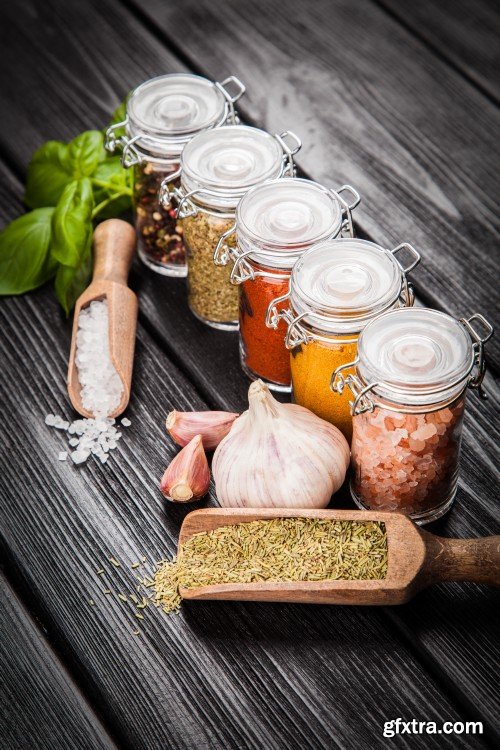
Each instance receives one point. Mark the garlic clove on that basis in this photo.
(187, 478)
(279, 455)
(213, 426)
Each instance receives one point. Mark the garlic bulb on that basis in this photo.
(279, 455)
(187, 476)
(211, 425)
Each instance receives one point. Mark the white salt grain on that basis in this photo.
(126, 422)
(62, 456)
(101, 386)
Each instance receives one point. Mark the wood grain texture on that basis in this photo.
(165, 686)
(264, 644)
(374, 108)
(186, 681)
(464, 33)
(40, 705)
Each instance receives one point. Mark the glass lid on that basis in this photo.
(175, 107)
(230, 160)
(345, 280)
(414, 351)
(287, 214)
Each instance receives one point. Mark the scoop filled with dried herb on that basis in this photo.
(276, 550)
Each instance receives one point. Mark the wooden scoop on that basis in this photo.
(416, 559)
(114, 247)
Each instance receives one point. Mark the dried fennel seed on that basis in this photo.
(211, 296)
(283, 549)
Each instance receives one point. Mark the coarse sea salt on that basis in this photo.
(101, 386)
(101, 390)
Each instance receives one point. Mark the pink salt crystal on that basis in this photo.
(445, 416)
(417, 445)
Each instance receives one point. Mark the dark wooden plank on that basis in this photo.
(374, 107)
(226, 676)
(40, 705)
(207, 358)
(464, 33)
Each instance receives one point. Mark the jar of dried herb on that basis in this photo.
(409, 385)
(163, 114)
(336, 288)
(275, 224)
(217, 169)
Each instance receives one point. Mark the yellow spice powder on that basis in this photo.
(312, 366)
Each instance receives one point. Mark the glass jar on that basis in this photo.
(217, 169)
(275, 224)
(336, 288)
(163, 114)
(409, 385)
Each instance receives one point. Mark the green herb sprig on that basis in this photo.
(69, 186)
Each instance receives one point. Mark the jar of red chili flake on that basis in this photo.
(162, 115)
(217, 168)
(276, 222)
(409, 386)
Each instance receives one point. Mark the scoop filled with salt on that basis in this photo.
(104, 327)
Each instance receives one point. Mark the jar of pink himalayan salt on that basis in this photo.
(409, 385)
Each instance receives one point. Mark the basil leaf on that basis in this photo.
(85, 152)
(71, 282)
(56, 164)
(72, 223)
(49, 172)
(25, 261)
(119, 183)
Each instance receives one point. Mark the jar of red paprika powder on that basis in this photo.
(162, 115)
(276, 222)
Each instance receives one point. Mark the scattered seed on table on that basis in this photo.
(92, 602)
(114, 562)
(136, 632)
(107, 591)
(100, 571)
(138, 614)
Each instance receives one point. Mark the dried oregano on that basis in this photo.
(282, 549)
(211, 296)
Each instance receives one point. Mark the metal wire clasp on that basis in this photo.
(361, 401)
(273, 315)
(231, 98)
(111, 139)
(130, 154)
(476, 378)
(223, 252)
(242, 269)
(168, 192)
(347, 208)
(408, 293)
(288, 151)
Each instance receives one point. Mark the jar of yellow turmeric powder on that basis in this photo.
(336, 288)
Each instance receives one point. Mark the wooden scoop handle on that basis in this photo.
(476, 560)
(114, 247)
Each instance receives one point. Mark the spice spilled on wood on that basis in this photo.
(282, 549)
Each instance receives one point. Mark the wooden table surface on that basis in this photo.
(399, 99)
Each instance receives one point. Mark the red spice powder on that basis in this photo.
(263, 349)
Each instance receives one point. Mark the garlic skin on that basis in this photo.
(187, 477)
(279, 455)
(213, 426)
